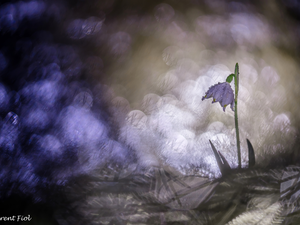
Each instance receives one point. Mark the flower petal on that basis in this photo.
(222, 93)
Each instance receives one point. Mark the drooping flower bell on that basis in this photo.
(222, 93)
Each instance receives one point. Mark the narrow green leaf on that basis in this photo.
(251, 154)
(230, 78)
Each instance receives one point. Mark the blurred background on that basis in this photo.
(91, 85)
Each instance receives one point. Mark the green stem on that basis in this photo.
(236, 84)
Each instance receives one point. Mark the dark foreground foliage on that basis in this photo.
(256, 196)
